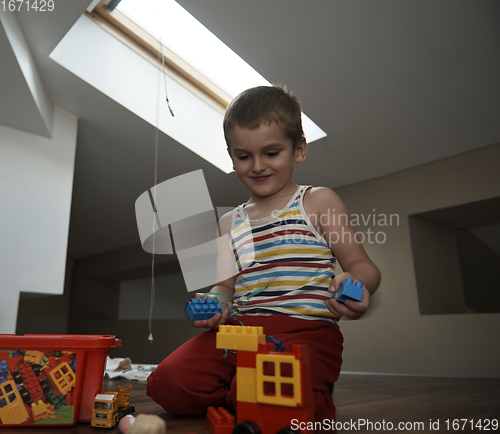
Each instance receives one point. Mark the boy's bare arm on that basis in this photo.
(224, 287)
(329, 211)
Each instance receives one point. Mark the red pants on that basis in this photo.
(195, 376)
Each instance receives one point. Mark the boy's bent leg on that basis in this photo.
(326, 362)
(325, 354)
(193, 377)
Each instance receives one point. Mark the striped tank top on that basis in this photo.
(284, 265)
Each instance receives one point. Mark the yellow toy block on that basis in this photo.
(240, 338)
(276, 380)
(40, 410)
(33, 357)
(63, 377)
(245, 385)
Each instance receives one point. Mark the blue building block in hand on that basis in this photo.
(203, 309)
(349, 291)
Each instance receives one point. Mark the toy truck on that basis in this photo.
(110, 407)
(273, 388)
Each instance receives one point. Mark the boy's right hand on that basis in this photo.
(217, 320)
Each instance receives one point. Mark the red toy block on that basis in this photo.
(30, 381)
(276, 390)
(52, 362)
(66, 358)
(70, 399)
(245, 359)
(219, 421)
(13, 362)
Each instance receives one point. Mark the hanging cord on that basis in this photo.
(165, 79)
(157, 139)
(155, 216)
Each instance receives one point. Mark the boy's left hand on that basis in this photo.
(350, 309)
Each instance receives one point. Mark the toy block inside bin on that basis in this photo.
(203, 309)
(61, 391)
(350, 291)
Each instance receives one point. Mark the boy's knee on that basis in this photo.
(166, 390)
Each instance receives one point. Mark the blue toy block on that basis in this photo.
(4, 368)
(349, 291)
(4, 371)
(203, 309)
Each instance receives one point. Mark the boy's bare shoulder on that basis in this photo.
(321, 199)
(225, 222)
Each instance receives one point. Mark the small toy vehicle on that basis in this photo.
(110, 407)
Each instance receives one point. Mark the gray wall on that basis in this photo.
(394, 337)
(36, 183)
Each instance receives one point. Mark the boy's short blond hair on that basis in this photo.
(265, 104)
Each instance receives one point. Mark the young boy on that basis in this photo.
(286, 240)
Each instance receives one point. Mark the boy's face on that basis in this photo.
(264, 158)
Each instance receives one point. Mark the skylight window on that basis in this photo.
(178, 30)
(199, 70)
(187, 37)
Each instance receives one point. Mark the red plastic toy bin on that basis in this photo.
(51, 380)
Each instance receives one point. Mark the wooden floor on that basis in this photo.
(369, 399)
